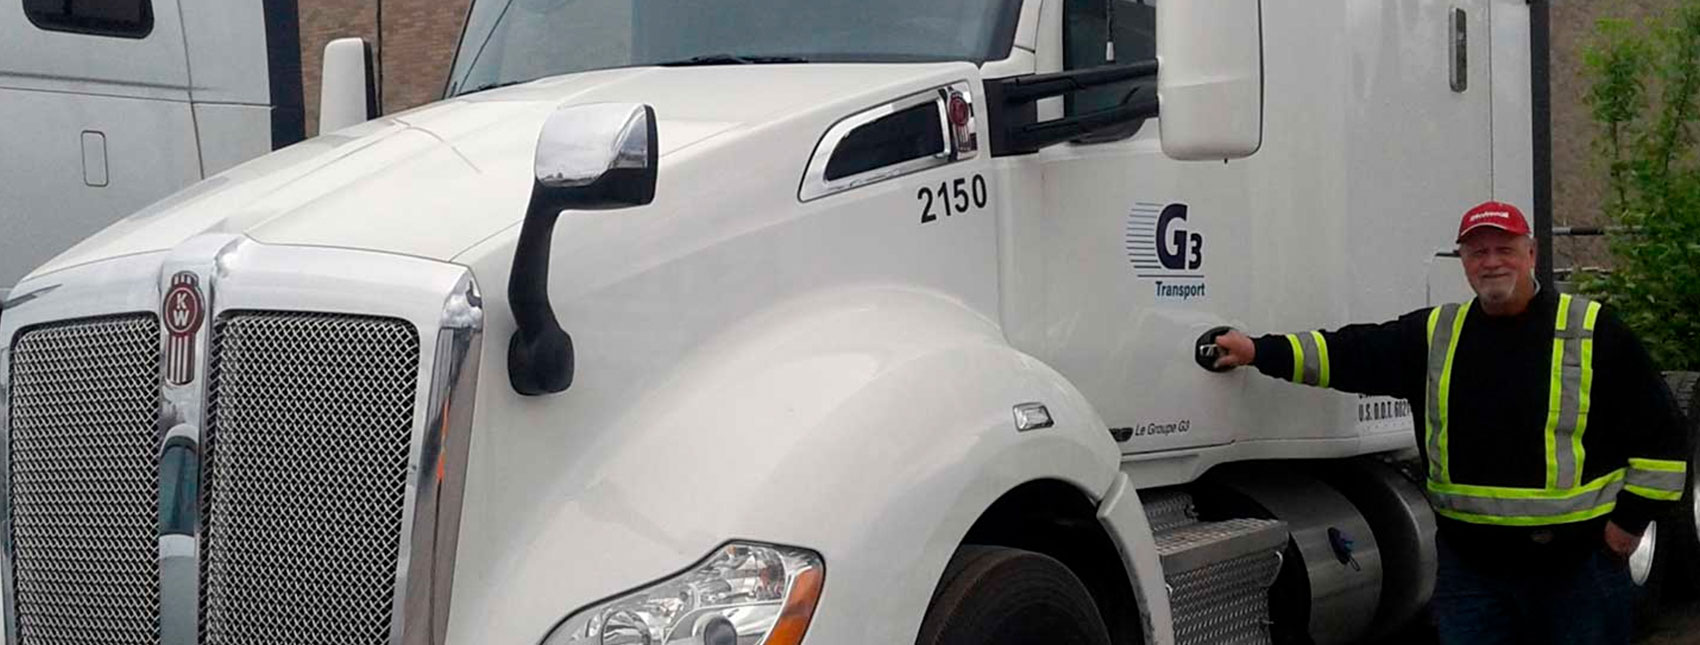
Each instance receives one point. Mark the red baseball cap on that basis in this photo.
(1498, 215)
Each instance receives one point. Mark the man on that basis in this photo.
(1549, 439)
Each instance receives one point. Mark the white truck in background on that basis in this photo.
(111, 105)
(846, 323)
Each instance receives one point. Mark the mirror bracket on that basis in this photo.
(1013, 106)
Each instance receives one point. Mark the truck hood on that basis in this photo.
(434, 181)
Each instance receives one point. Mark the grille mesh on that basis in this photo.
(85, 481)
(310, 425)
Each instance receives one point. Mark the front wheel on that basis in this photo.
(1002, 596)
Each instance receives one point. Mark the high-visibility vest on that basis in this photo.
(1564, 497)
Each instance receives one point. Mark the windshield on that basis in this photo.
(513, 41)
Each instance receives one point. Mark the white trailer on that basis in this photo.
(112, 105)
(742, 322)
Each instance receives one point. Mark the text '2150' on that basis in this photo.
(952, 198)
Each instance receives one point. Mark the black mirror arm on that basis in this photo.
(1012, 106)
(1035, 136)
(540, 354)
(1032, 87)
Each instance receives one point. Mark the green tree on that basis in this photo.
(1645, 79)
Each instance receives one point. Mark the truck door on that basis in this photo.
(95, 98)
(1369, 156)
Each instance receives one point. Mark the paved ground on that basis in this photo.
(1679, 625)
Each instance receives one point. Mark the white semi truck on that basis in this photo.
(111, 105)
(740, 323)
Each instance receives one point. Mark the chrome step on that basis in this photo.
(1168, 510)
(1205, 543)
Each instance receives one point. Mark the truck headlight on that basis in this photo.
(741, 594)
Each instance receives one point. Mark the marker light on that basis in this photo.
(959, 110)
(742, 593)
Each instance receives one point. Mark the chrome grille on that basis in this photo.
(85, 481)
(310, 421)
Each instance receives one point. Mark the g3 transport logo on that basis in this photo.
(1165, 250)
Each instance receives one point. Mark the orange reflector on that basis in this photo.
(799, 609)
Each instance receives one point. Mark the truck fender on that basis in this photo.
(871, 425)
(1123, 516)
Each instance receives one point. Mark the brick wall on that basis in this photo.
(419, 38)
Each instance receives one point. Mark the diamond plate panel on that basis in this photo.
(1224, 603)
(1168, 511)
(310, 424)
(85, 481)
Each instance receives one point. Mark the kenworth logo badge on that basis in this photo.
(1165, 250)
(184, 311)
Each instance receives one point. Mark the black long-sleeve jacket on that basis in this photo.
(1499, 401)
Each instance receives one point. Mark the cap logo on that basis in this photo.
(184, 312)
(1493, 214)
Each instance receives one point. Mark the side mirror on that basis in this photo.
(600, 156)
(597, 157)
(1210, 85)
(348, 93)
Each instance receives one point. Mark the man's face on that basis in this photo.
(1496, 262)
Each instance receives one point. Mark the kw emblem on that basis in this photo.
(184, 312)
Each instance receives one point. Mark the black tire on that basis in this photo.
(1002, 596)
(1679, 535)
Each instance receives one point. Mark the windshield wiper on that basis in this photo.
(491, 86)
(732, 59)
(694, 61)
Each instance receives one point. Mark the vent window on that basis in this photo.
(912, 133)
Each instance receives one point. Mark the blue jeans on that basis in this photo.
(1590, 602)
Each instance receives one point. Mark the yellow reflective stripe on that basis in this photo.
(1661, 465)
(1528, 506)
(1555, 405)
(1298, 359)
(1523, 520)
(1555, 393)
(1446, 389)
(1508, 492)
(1657, 478)
(1430, 417)
(1322, 357)
(1593, 316)
(1650, 493)
(1585, 400)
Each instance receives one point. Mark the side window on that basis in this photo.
(1095, 30)
(119, 18)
